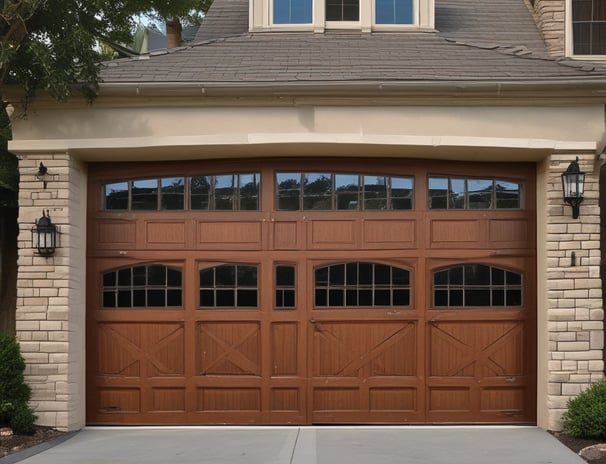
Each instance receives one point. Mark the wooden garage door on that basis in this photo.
(280, 292)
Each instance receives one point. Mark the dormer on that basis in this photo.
(353, 15)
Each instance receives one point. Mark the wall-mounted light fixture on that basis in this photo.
(42, 173)
(44, 236)
(573, 186)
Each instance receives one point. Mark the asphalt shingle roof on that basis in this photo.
(475, 40)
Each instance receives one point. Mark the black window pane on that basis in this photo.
(401, 297)
(441, 278)
(336, 297)
(226, 298)
(365, 276)
(289, 191)
(289, 299)
(124, 299)
(599, 10)
(382, 297)
(247, 298)
(139, 298)
(124, 277)
(156, 275)
(139, 276)
(173, 298)
(581, 10)
(598, 38)
(200, 187)
(225, 276)
(440, 298)
(109, 299)
(156, 298)
(498, 276)
(109, 279)
(351, 272)
(365, 298)
(582, 38)
(173, 278)
(322, 276)
(285, 276)
(337, 274)
(455, 275)
(145, 194)
(321, 297)
(207, 298)
(514, 297)
(207, 278)
(351, 298)
(247, 276)
(116, 196)
(498, 297)
(513, 278)
(456, 298)
(477, 297)
(382, 274)
(477, 274)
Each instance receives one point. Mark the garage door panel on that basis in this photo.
(165, 234)
(167, 399)
(229, 235)
(285, 350)
(114, 234)
(333, 234)
(389, 234)
(228, 399)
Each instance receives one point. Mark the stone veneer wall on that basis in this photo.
(574, 316)
(550, 17)
(51, 291)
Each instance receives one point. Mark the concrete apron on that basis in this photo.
(309, 445)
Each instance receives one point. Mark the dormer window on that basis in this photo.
(586, 28)
(362, 15)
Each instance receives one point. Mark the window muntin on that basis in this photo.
(285, 285)
(394, 12)
(335, 191)
(149, 285)
(589, 27)
(292, 11)
(342, 10)
(229, 286)
(476, 285)
(361, 284)
(471, 193)
(223, 192)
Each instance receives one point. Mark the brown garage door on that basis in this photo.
(277, 292)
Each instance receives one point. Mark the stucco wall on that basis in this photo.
(50, 291)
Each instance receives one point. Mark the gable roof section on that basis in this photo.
(476, 41)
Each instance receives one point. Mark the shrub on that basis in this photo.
(14, 392)
(586, 415)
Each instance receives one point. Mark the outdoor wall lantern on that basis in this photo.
(44, 236)
(573, 185)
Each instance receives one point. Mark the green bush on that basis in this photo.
(586, 415)
(14, 392)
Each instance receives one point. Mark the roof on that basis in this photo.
(475, 41)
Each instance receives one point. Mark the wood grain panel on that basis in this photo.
(284, 342)
(119, 400)
(115, 234)
(229, 399)
(229, 235)
(332, 234)
(502, 399)
(285, 399)
(393, 399)
(459, 232)
(388, 234)
(509, 232)
(165, 234)
(336, 399)
(450, 399)
(286, 235)
(168, 399)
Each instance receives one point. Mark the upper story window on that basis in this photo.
(588, 24)
(364, 15)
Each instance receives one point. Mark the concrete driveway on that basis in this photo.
(306, 445)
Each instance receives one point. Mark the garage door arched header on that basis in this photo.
(477, 285)
(361, 284)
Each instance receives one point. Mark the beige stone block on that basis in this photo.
(596, 365)
(557, 402)
(581, 314)
(561, 314)
(596, 339)
(35, 358)
(569, 365)
(583, 355)
(563, 336)
(582, 336)
(596, 314)
(554, 388)
(62, 347)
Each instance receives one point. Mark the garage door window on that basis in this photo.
(331, 191)
(467, 193)
(152, 285)
(476, 285)
(285, 286)
(361, 284)
(229, 286)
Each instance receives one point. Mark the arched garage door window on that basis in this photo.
(148, 285)
(361, 284)
(476, 285)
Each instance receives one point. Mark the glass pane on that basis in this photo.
(440, 298)
(342, 10)
(401, 193)
(455, 275)
(514, 297)
(285, 276)
(337, 275)
(400, 276)
(247, 298)
(382, 297)
(440, 278)
(317, 191)
(375, 192)
(124, 278)
(249, 192)
(289, 299)
(477, 297)
(207, 298)
(455, 298)
(513, 278)
(599, 10)
(289, 191)
(116, 195)
(365, 276)
(156, 275)
(507, 194)
(457, 194)
(351, 272)
(207, 278)
(598, 38)
(321, 297)
(498, 276)
(365, 298)
(498, 297)
(109, 279)
(393, 12)
(351, 10)
(109, 299)
(322, 277)
(438, 193)
(225, 276)
(347, 191)
(156, 298)
(139, 298)
(581, 10)
(124, 299)
(480, 193)
(382, 275)
(401, 297)
(173, 298)
(139, 276)
(581, 33)
(200, 192)
(351, 298)
(173, 277)
(172, 193)
(247, 276)
(336, 297)
(224, 193)
(477, 274)
(292, 11)
(226, 298)
(145, 194)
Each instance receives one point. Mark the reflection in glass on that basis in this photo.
(479, 193)
(224, 193)
(172, 193)
(347, 191)
(200, 187)
(249, 192)
(116, 196)
(375, 192)
(289, 191)
(317, 191)
(459, 193)
(145, 194)
(401, 192)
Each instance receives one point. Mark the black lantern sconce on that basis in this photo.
(573, 186)
(42, 173)
(44, 236)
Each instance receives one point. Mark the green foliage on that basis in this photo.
(14, 392)
(586, 415)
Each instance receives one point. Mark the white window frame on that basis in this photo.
(261, 18)
(569, 38)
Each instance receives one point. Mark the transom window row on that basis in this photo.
(353, 284)
(301, 11)
(308, 191)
